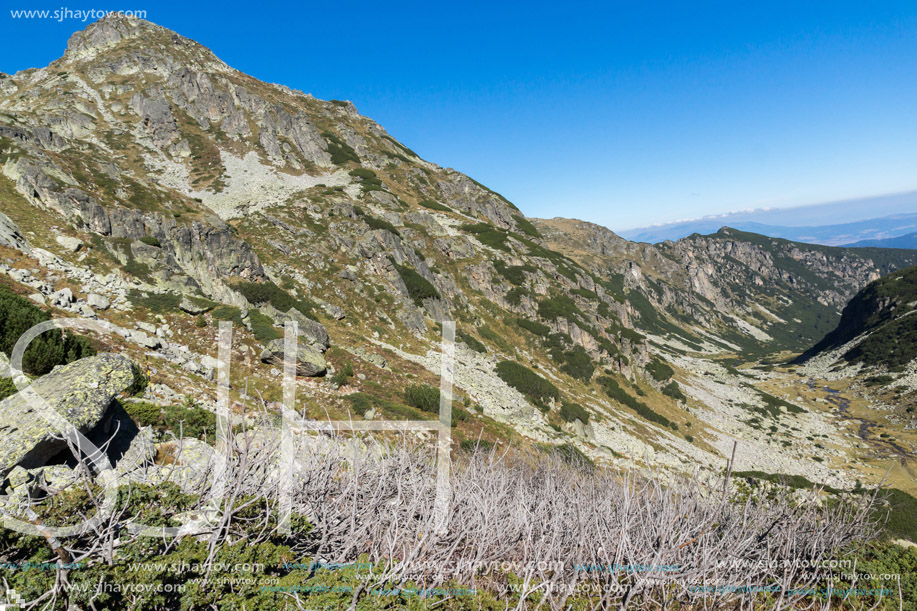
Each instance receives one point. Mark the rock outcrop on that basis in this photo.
(309, 361)
(81, 392)
(11, 235)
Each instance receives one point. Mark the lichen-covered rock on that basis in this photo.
(81, 392)
(309, 361)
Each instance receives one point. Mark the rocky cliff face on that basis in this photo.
(756, 293)
(877, 326)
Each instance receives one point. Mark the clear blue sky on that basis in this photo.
(622, 113)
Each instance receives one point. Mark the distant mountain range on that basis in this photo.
(890, 217)
(904, 241)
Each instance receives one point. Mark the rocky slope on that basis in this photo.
(146, 183)
(754, 293)
(878, 327)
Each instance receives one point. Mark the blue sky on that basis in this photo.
(621, 113)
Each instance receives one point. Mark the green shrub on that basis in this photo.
(137, 269)
(901, 510)
(432, 205)
(604, 310)
(526, 226)
(7, 388)
(368, 179)
(614, 390)
(263, 327)
(189, 420)
(471, 341)
(572, 411)
(140, 383)
(259, 293)
(775, 403)
(585, 294)
(659, 371)
(514, 295)
(151, 241)
(514, 273)
(342, 375)
(495, 338)
(792, 481)
(158, 303)
(488, 235)
(533, 327)
(625, 333)
(340, 151)
(529, 383)
(458, 415)
(360, 402)
(419, 288)
(556, 343)
(689, 438)
(143, 413)
(672, 389)
(423, 397)
(573, 456)
(48, 350)
(578, 364)
(230, 313)
(376, 223)
(476, 445)
(878, 380)
(561, 306)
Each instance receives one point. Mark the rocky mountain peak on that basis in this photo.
(106, 33)
(149, 43)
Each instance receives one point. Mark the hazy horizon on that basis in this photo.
(814, 215)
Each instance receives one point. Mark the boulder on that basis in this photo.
(71, 244)
(98, 302)
(11, 235)
(309, 361)
(310, 330)
(142, 339)
(4, 366)
(140, 452)
(81, 392)
(370, 357)
(61, 298)
(191, 307)
(335, 312)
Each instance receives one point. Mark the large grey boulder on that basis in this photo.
(309, 360)
(82, 392)
(98, 302)
(11, 235)
(310, 330)
(70, 243)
